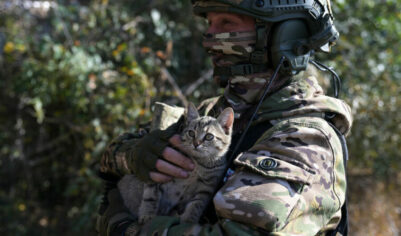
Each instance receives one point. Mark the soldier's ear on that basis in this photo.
(192, 112)
(226, 120)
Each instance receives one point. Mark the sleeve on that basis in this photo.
(291, 182)
(114, 160)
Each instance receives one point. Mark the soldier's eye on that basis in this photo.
(209, 137)
(191, 133)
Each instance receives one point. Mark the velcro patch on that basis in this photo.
(275, 168)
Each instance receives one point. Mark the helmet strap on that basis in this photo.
(241, 69)
(259, 56)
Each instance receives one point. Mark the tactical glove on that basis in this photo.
(142, 155)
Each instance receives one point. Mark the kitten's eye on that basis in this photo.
(209, 137)
(191, 133)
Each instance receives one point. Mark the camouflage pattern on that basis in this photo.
(114, 160)
(165, 115)
(234, 48)
(238, 44)
(243, 92)
(291, 181)
(303, 95)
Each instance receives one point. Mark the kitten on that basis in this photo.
(205, 140)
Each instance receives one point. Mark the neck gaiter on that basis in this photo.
(231, 52)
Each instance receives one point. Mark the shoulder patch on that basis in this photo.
(272, 167)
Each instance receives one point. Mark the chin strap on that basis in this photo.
(259, 56)
(242, 69)
(227, 72)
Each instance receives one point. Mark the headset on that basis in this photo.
(292, 40)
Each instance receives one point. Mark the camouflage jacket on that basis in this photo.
(291, 181)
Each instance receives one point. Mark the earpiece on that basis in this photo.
(290, 40)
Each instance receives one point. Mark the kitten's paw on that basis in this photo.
(193, 211)
(145, 218)
(189, 218)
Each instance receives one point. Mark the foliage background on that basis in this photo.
(74, 74)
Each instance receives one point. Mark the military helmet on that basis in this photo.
(300, 27)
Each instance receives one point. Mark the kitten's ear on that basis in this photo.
(192, 112)
(226, 120)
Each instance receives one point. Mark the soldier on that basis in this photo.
(289, 173)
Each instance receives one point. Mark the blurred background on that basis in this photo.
(76, 73)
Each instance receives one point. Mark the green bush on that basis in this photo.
(74, 77)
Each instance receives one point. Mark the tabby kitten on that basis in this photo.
(205, 140)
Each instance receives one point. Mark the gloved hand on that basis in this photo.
(144, 156)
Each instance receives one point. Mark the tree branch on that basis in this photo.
(166, 75)
(192, 87)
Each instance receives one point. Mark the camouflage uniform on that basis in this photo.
(289, 176)
(292, 179)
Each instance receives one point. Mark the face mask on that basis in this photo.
(230, 48)
(231, 51)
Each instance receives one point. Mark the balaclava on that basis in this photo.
(232, 55)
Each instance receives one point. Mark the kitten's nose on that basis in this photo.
(196, 143)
